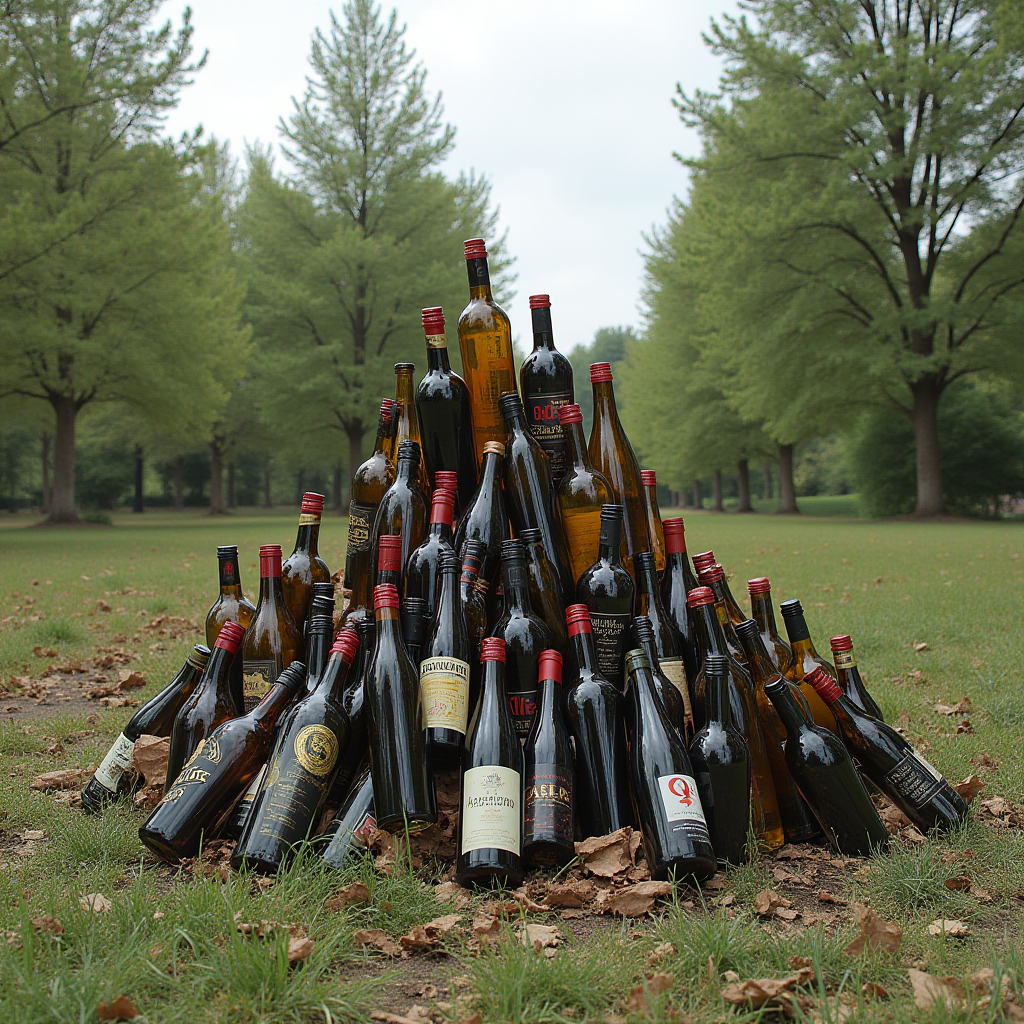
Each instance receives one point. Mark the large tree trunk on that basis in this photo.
(743, 476)
(926, 394)
(768, 481)
(340, 507)
(231, 485)
(137, 505)
(179, 483)
(698, 497)
(63, 510)
(47, 440)
(719, 507)
(787, 493)
(216, 480)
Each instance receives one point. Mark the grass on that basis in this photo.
(169, 941)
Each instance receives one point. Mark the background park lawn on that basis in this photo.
(169, 942)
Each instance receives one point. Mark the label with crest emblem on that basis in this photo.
(491, 809)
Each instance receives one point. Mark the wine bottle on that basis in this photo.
(403, 780)
(444, 670)
(594, 712)
(447, 480)
(670, 697)
(721, 766)
(403, 510)
(612, 455)
(764, 811)
(421, 573)
(545, 380)
(485, 518)
(607, 590)
(300, 770)
(304, 566)
(797, 821)
(524, 636)
(490, 801)
(762, 612)
(114, 777)
(231, 606)
(318, 647)
(485, 341)
(891, 762)
(323, 601)
(545, 596)
(848, 677)
(824, 773)
(581, 495)
(389, 560)
(706, 560)
(473, 593)
(353, 703)
(272, 641)
(677, 581)
(442, 404)
(370, 483)
(550, 767)
(667, 642)
(408, 420)
(415, 626)
(347, 834)
(655, 529)
(210, 704)
(713, 577)
(675, 833)
(805, 657)
(203, 794)
(533, 501)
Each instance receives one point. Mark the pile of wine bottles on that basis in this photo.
(513, 608)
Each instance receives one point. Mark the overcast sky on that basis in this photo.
(565, 105)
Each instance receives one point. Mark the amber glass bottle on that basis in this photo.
(848, 677)
(805, 657)
(231, 606)
(713, 576)
(403, 510)
(581, 495)
(304, 566)
(484, 519)
(485, 340)
(408, 419)
(272, 641)
(545, 595)
(763, 613)
(545, 380)
(612, 455)
(654, 525)
(706, 560)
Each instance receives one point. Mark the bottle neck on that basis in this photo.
(546, 704)
(441, 529)
(479, 278)
(759, 661)
(230, 578)
(437, 354)
(489, 473)
(515, 585)
(334, 677)
(712, 639)
(406, 470)
(383, 433)
(270, 589)
(792, 715)
(716, 698)
(764, 614)
(577, 446)
(515, 421)
(542, 335)
(448, 594)
(799, 635)
(585, 652)
(308, 537)
(609, 541)
(604, 401)
(651, 650)
(218, 668)
(404, 391)
(492, 690)
(645, 694)
(647, 582)
(267, 711)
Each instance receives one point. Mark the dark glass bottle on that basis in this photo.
(403, 510)
(300, 770)
(763, 613)
(545, 595)
(491, 808)
(892, 763)
(545, 380)
(444, 670)
(210, 704)
(231, 606)
(347, 834)
(114, 777)
(442, 404)
(322, 603)
(319, 638)
(848, 677)
(713, 576)
(389, 560)
(421, 573)
(403, 780)
(370, 483)
(655, 528)
(797, 821)
(524, 636)
(272, 641)
(533, 500)
(485, 519)
(304, 566)
(706, 560)
(671, 699)
(608, 590)
(721, 766)
(203, 794)
(827, 780)
(415, 626)
(473, 594)
(409, 423)
(594, 713)
(676, 839)
(676, 582)
(353, 703)
(550, 770)
(805, 657)
(446, 480)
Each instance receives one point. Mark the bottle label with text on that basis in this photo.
(491, 807)
(582, 533)
(115, 764)
(308, 519)
(547, 804)
(675, 672)
(360, 531)
(258, 675)
(444, 690)
(610, 636)
(683, 810)
(845, 659)
(915, 779)
(542, 417)
(238, 816)
(297, 788)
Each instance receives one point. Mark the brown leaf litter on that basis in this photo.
(874, 932)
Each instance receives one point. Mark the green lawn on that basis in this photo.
(169, 943)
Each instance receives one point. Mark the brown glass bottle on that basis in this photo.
(485, 519)
(706, 560)
(763, 613)
(613, 457)
(408, 419)
(304, 566)
(655, 529)
(671, 698)
(544, 592)
(403, 510)
(676, 582)
(272, 641)
(848, 677)
(231, 606)
(805, 657)
(203, 794)
(473, 593)
(713, 576)
(485, 340)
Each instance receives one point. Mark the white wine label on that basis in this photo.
(845, 659)
(491, 809)
(915, 779)
(258, 676)
(680, 799)
(444, 691)
(675, 670)
(115, 764)
(308, 519)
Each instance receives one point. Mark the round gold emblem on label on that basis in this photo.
(316, 749)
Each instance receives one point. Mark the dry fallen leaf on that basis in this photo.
(128, 680)
(922, 646)
(996, 806)
(930, 991)
(569, 894)
(653, 985)
(954, 929)
(660, 952)
(970, 787)
(427, 936)
(66, 778)
(355, 892)
(872, 990)
(377, 939)
(149, 757)
(96, 902)
(452, 892)
(775, 992)
(961, 883)
(47, 924)
(486, 927)
(540, 938)
(633, 900)
(874, 932)
(122, 1008)
(768, 902)
(299, 948)
(607, 856)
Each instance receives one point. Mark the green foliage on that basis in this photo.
(104, 475)
(820, 468)
(982, 455)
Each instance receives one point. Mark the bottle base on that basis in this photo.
(489, 878)
(159, 846)
(541, 854)
(396, 826)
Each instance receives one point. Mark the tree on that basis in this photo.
(609, 346)
(907, 119)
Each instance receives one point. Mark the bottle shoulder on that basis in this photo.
(603, 579)
(546, 366)
(483, 315)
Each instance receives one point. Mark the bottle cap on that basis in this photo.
(643, 628)
(230, 637)
(824, 685)
(493, 649)
(792, 608)
(448, 562)
(531, 535)
(312, 504)
(442, 506)
(708, 574)
(600, 373)
(716, 665)
(700, 596)
(270, 560)
(199, 656)
(635, 659)
(703, 558)
(346, 643)
(549, 666)
(323, 590)
(227, 551)
(512, 550)
(404, 368)
(366, 628)
(747, 629)
(493, 448)
(386, 404)
(675, 537)
(577, 619)
(385, 595)
(409, 450)
(510, 404)
(321, 624)
(540, 302)
(644, 560)
(389, 553)
(322, 606)
(433, 320)
(841, 643)
(611, 513)
(569, 414)
(446, 479)
(648, 477)
(759, 585)
(473, 556)
(293, 676)
(475, 249)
